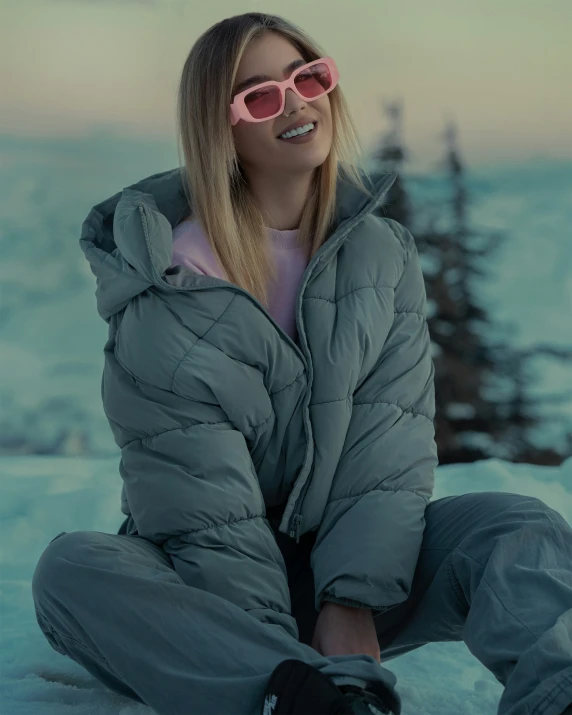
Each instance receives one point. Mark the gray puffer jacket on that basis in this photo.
(219, 414)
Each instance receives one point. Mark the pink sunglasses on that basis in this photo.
(266, 100)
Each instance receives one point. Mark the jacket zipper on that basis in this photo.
(296, 520)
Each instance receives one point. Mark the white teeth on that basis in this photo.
(295, 132)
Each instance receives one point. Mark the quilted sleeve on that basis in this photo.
(368, 542)
(194, 490)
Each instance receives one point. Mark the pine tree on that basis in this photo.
(482, 386)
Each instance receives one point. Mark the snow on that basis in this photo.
(42, 496)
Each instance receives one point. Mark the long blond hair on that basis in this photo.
(219, 196)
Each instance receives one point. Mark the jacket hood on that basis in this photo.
(128, 238)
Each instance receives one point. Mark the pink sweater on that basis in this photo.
(191, 249)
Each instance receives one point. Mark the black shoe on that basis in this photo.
(297, 688)
(364, 702)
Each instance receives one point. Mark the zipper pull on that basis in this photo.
(296, 527)
(292, 532)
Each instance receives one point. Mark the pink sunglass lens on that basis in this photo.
(264, 102)
(314, 81)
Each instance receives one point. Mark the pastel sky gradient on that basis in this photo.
(500, 70)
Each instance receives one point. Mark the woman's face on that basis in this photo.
(257, 143)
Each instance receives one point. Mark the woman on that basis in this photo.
(268, 377)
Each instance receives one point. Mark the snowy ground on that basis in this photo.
(42, 496)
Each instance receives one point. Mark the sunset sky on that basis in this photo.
(501, 70)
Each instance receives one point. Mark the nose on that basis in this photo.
(292, 101)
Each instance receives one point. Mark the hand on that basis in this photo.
(344, 630)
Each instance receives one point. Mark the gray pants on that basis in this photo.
(495, 570)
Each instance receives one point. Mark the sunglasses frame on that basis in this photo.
(238, 108)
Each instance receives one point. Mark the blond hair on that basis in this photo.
(233, 221)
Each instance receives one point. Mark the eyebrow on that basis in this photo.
(257, 78)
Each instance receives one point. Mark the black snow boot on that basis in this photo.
(296, 688)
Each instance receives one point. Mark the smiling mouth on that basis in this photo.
(284, 140)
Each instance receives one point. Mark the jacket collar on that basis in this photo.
(128, 254)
